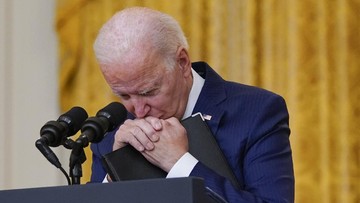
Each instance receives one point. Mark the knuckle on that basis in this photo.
(132, 141)
(128, 121)
(136, 131)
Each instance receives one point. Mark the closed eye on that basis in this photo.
(148, 93)
(123, 96)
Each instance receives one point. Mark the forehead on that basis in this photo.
(134, 77)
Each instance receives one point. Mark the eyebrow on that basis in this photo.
(148, 86)
(156, 86)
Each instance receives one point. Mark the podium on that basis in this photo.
(174, 190)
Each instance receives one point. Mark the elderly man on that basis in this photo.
(143, 55)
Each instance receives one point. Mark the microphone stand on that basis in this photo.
(77, 158)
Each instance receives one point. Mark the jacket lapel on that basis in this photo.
(212, 94)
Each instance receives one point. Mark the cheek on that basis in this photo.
(128, 105)
(160, 102)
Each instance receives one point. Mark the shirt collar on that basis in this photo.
(198, 83)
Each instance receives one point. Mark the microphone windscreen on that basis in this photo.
(74, 118)
(115, 113)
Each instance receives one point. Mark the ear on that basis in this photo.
(184, 62)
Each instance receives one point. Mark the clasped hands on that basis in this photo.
(161, 142)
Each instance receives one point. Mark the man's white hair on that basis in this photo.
(129, 30)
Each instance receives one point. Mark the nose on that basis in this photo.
(141, 108)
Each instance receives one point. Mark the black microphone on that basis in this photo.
(54, 133)
(106, 119)
(93, 130)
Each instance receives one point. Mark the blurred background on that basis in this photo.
(307, 51)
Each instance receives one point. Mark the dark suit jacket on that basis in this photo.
(251, 127)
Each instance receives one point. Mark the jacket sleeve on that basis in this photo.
(267, 162)
(98, 172)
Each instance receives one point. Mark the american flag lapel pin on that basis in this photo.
(203, 116)
(207, 117)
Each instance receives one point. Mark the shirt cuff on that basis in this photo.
(183, 166)
(105, 179)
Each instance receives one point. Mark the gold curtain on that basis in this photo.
(307, 51)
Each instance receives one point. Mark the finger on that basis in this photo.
(172, 121)
(149, 126)
(155, 122)
(125, 135)
(142, 138)
(120, 134)
(133, 141)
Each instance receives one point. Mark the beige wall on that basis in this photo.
(28, 92)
